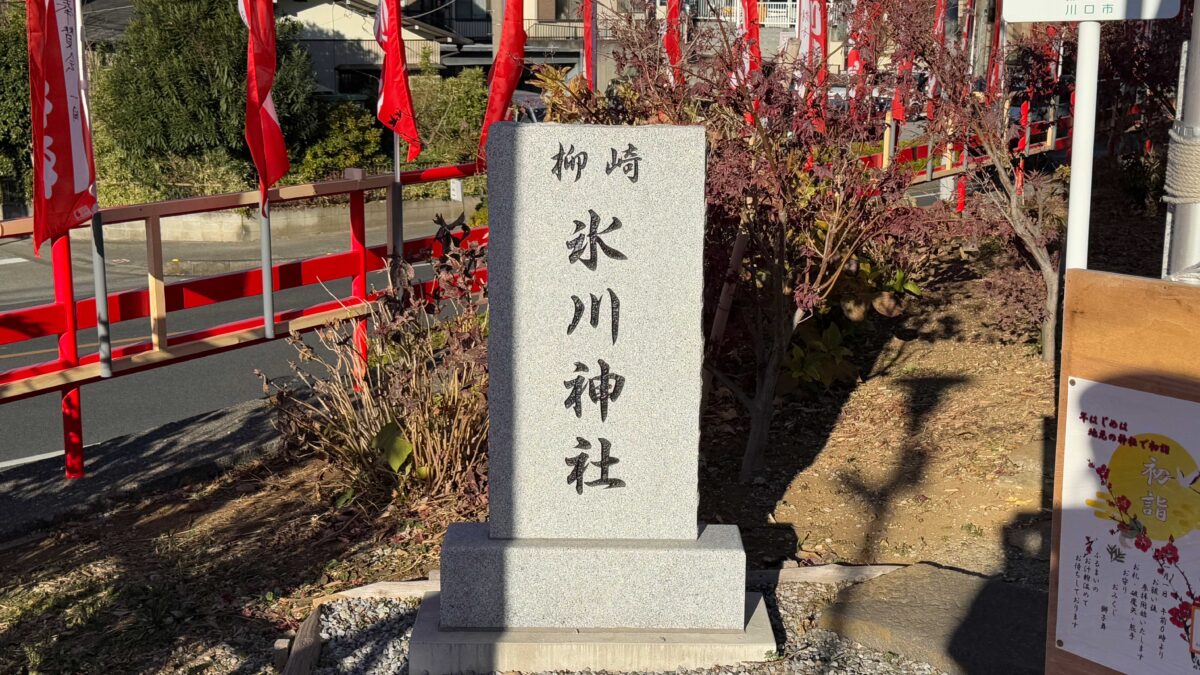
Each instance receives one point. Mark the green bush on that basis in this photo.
(176, 87)
(353, 138)
(449, 115)
(14, 100)
(124, 180)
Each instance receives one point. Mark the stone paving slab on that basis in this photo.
(37, 495)
(959, 622)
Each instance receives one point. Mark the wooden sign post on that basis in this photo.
(1125, 556)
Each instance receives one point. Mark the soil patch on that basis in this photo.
(200, 579)
(936, 454)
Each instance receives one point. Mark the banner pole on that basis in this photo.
(268, 275)
(1083, 141)
(100, 282)
(396, 221)
(99, 274)
(1183, 250)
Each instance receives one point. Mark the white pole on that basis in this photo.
(1185, 227)
(396, 222)
(1083, 141)
(1180, 87)
(268, 272)
(99, 274)
(100, 283)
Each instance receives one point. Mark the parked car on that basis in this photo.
(529, 107)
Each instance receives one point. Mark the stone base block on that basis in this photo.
(435, 651)
(696, 585)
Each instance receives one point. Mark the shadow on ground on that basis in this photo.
(184, 579)
(801, 429)
(35, 495)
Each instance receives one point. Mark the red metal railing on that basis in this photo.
(66, 315)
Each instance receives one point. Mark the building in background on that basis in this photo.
(339, 35)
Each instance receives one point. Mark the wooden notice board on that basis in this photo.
(1130, 401)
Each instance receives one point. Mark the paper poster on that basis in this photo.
(1129, 552)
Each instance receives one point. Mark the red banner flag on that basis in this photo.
(861, 46)
(751, 34)
(263, 134)
(395, 100)
(812, 37)
(671, 41)
(1022, 142)
(939, 36)
(506, 70)
(64, 172)
(589, 45)
(996, 79)
(900, 95)
(854, 60)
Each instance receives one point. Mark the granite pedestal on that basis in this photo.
(592, 557)
(593, 584)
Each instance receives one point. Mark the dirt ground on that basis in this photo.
(201, 579)
(935, 455)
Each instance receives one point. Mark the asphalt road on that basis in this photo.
(32, 428)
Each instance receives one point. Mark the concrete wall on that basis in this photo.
(10, 210)
(235, 226)
(335, 35)
(327, 19)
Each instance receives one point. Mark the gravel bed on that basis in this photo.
(369, 636)
(366, 636)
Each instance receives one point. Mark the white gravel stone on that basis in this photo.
(371, 636)
(366, 636)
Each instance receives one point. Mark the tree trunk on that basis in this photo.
(1050, 323)
(761, 415)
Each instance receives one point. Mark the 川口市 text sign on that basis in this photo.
(1050, 11)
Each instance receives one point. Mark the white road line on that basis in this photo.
(12, 261)
(32, 458)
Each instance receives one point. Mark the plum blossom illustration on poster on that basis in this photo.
(1129, 551)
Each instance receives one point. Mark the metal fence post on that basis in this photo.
(68, 354)
(358, 244)
(395, 230)
(100, 283)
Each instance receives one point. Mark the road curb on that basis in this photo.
(202, 268)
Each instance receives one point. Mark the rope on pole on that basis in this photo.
(1183, 166)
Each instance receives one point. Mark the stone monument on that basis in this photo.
(592, 556)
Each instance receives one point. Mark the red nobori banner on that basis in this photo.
(64, 173)
(814, 41)
(395, 107)
(263, 133)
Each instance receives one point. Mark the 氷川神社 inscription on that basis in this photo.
(595, 336)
